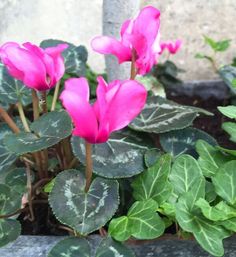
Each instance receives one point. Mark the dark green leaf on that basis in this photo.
(9, 231)
(84, 212)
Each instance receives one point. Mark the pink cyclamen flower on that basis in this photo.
(172, 47)
(117, 104)
(140, 34)
(37, 68)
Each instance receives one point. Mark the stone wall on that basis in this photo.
(78, 21)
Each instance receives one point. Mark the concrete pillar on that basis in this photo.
(115, 12)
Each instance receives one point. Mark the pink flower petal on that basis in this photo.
(109, 45)
(82, 114)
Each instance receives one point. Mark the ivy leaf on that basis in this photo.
(12, 90)
(183, 141)
(185, 174)
(210, 159)
(110, 248)
(84, 212)
(220, 212)
(48, 130)
(229, 111)
(225, 181)
(121, 156)
(142, 222)
(75, 57)
(152, 183)
(72, 246)
(161, 115)
(9, 231)
(208, 234)
(230, 128)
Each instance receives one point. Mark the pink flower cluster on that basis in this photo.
(118, 102)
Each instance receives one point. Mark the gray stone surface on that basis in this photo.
(38, 246)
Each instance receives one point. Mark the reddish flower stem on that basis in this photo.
(133, 71)
(5, 116)
(89, 165)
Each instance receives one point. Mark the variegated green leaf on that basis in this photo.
(208, 234)
(225, 181)
(9, 231)
(7, 158)
(151, 156)
(161, 115)
(84, 212)
(210, 192)
(110, 248)
(47, 131)
(183, 141)
(121, 156)
(12, 90)
(17, 180)
(210, 159)
(10, 201)
(230, 128)
(152, 183)
(219, 212)
(75, 57)
(141, 222)
(71, 247)
(185, 174)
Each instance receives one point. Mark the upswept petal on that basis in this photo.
(32, 67)
(109, 45)
(147, 23)
(55, 53)
(79, 86)
(82, 114)
(126, 104)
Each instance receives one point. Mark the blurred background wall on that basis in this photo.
(78, 21)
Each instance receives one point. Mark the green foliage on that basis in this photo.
(75, 57)
(160, 115)
(217, 46)
(84, 212)
(141, 222)
(183, 141)
(12, 90)
(47, 131)
(229, 111)
(228, 74)
(121, 156)
(80, 247)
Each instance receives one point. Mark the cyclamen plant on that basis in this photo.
(81, 172)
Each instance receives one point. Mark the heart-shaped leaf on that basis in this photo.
(12, 90)
(210, 158)
(160, 115)
(225, 181)
(121, 156)
(110, 248)
(183, 141)
(48, 130)
(152, 183)
(75, 57)
(84, 212)
(142, 222)
(9, 231)
(71, 247)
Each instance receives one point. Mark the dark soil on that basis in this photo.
(210, 124)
